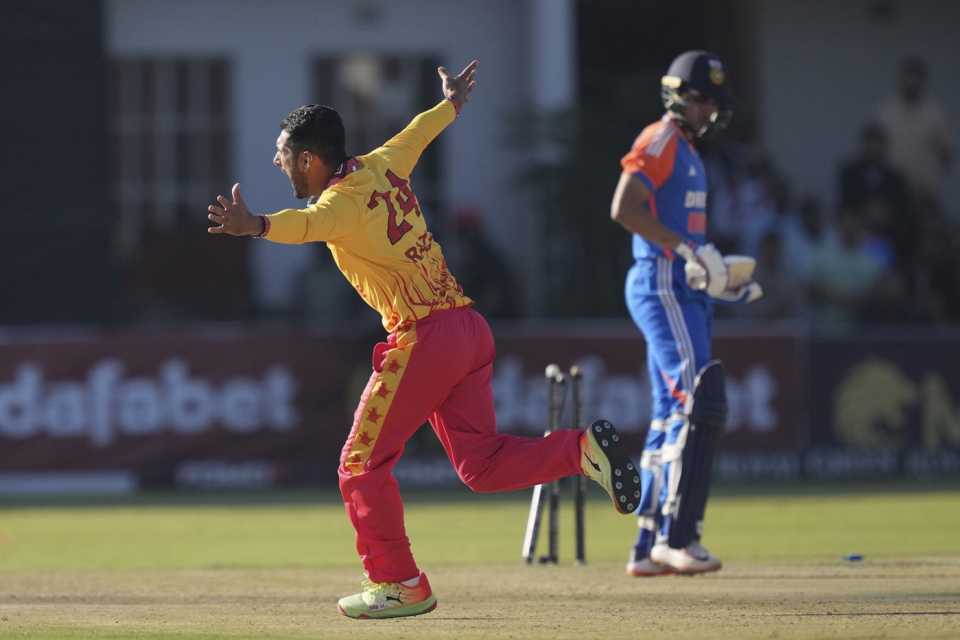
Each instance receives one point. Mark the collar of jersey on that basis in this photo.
(346, 167)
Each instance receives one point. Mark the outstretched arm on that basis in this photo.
(324, 221)
(405, 148)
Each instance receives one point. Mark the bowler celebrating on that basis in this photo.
(661, 199)
(437, 362)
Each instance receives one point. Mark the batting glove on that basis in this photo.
(705, 268)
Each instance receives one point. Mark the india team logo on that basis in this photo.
(716, 72)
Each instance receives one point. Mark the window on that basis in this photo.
(170, 131)
(377, 95)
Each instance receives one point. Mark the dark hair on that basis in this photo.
(319, 129)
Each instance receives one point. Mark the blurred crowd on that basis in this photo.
(881, 249)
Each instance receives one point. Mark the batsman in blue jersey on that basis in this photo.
(661, 199)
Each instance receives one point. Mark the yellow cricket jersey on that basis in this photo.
(373, 226)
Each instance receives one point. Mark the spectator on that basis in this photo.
(804, 237)
(754, 197)
(482, 271)
(869, 175)
(723, 164)
(781, 299)
(843, 278)
(919, 137)
(938, 264)
(872, 190)
(769, 217)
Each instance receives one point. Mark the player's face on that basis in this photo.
(700, 112)
(286, 161)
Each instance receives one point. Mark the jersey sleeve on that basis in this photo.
(652, 157)
(403, 150)
(328, 220)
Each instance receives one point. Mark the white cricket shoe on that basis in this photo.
(646, 568)
(689, 561)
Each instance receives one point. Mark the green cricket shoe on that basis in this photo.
(604, 460)
(389, 600)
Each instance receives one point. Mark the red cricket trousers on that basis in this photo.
(439, 371)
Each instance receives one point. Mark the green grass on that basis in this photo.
(272, 564)
(303, 530)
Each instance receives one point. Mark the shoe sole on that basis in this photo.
(622, 470)
(688, 571)
(650, 574)
(391, 613)
(696, 572)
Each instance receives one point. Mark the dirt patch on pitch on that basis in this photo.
(892, 599)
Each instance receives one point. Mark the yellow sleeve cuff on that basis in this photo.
(287, 227)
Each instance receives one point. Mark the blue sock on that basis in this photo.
(645, 538)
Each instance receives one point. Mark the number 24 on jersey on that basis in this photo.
(397, 225)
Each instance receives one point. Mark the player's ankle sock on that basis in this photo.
(412, 582)
(646, 537)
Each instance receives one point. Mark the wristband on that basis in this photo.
(264, 227)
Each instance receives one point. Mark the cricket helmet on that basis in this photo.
(697, 74)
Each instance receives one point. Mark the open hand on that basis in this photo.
(233, 218)
(457, 89)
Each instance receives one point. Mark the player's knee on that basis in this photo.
(478, 486)
(648, 506)
(478, 482)
(478, 475)
(710, 398)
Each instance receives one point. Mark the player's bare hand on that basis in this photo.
(232, 216)
(457, 89)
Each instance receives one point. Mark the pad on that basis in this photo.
(707, 415)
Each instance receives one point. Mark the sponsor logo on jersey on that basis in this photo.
(695, 200)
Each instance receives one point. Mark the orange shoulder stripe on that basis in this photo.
(653, 154)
